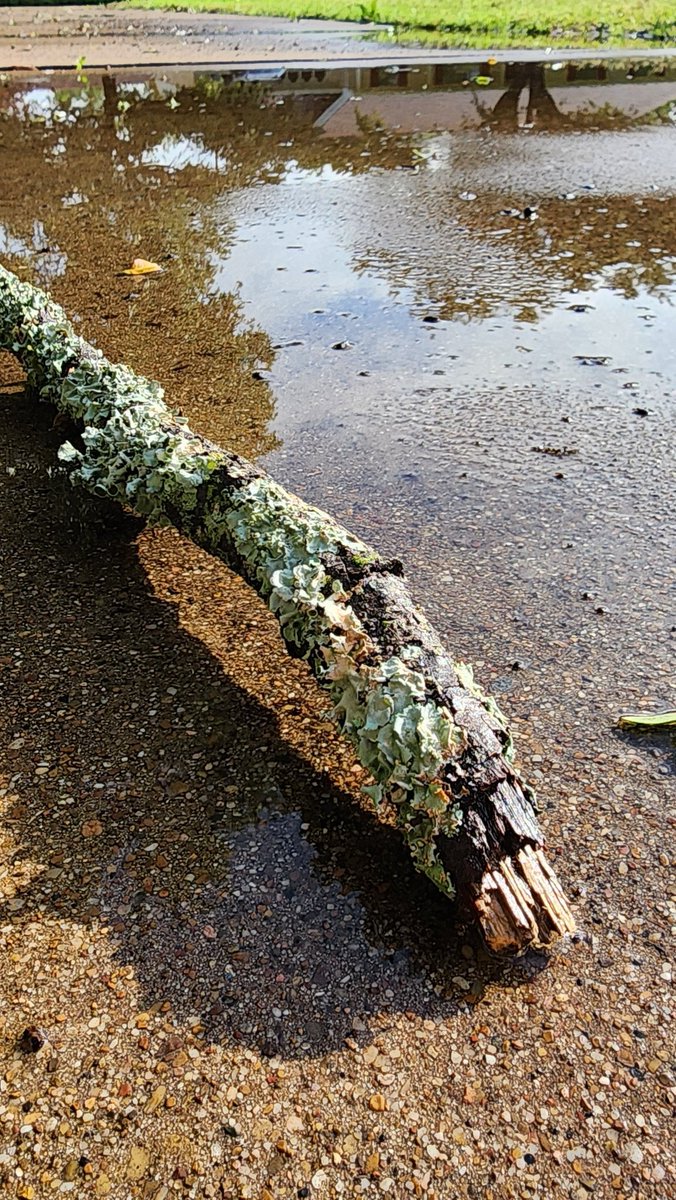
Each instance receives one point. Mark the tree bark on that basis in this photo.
(438, 749)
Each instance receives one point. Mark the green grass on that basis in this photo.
(475, 22)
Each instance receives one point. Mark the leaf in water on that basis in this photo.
(141, 266)
(646, 720)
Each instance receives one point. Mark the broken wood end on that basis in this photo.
(522, 906)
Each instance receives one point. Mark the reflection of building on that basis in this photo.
(442, 96)
(456, 96)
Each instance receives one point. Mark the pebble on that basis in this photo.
(138, 1163)
(156, 1098)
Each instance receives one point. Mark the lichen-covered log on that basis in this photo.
(437, 748)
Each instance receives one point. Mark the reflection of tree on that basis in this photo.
(492, 261)
(104, 198)
(541, 108)
(542, 111)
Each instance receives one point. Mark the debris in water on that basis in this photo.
(141, 266)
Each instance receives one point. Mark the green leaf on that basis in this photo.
(645, 720)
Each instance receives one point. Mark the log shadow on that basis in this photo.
(151, 792)
(658, 744)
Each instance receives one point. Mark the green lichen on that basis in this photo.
(135, 451)
(466, 680)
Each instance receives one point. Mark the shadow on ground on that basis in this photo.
(152, 793)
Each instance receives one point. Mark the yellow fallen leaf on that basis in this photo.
(141, 266)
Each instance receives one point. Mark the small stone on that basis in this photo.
(103, 1186)
(138, 1163)
(32, 1039)
(70, 1170)
(377, 1102)
(91, 828)
(634, 1154)
(156, 1098)
(372, 1163)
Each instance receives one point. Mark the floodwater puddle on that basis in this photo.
(438, 302)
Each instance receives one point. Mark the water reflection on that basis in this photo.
(48, 260)
(476, 223)
(177, 151)
(416, 214)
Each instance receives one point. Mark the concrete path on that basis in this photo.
(38, 38)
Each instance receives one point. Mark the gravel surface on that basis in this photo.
(33, 36)
(220, 975)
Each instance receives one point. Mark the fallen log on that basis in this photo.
(437, 748)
